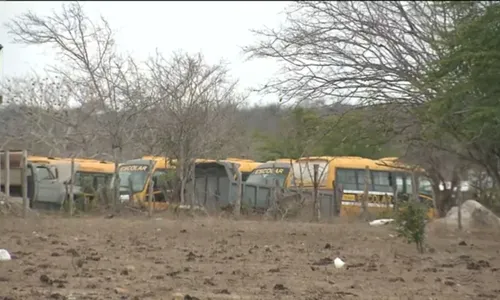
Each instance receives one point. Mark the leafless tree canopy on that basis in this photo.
(105, 89)
(364, 52)
(97, 100)
(196, 108)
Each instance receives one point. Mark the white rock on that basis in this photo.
(380, 222)
(4, 255)
(338, 263)
(474, 215)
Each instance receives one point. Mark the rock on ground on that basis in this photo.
(474, 216)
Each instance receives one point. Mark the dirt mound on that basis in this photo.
(474, 216)
(11, 206)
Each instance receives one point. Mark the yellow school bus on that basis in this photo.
(136, 175)
(267, 173)
(245, 166)
(350, 172)
(90, 174)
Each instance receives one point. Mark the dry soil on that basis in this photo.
(210, 258)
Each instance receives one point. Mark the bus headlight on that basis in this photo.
(124, 198)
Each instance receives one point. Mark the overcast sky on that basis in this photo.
(217, 29)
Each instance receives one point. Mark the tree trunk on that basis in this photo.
(317, 207)
(459, 200)
(116, 186)
(414, 186)
(444, 201)
(71, 185)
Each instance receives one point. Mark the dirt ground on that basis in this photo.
(213, 258)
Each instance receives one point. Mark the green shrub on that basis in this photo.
(410, 221)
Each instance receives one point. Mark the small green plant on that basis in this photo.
(410, 222)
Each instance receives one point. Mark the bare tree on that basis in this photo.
(369, 53)
(366, 52)
(115, 88)
(196, 111)
(51, 120)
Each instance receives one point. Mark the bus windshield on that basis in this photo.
(134, 176)
(304, 171)
(268, 176)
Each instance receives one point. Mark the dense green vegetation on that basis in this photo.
(304, 132)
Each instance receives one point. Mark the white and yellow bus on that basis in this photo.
(350, 172)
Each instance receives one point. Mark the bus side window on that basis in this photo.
(347, 178)
(399, 182)
(44, 173)
(100, 181)
(381, 181)
(408, 180)
(158, 178)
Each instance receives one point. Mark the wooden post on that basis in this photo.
(339, 194)
(237, 204)
(116, 182)
(71, 185)
(7, 173)
(364, 203)
(1, 172)
(150, 189)
(459, 202)
(317, 207)
(395, 203)
(333, 206)
(24, 176)
(194, 201)
(414, 186)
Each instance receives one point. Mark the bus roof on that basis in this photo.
(283, 160)
(245, 165)
(356, 162)
(96, 167)
(84, 164)
(351, 162)
(395, 163)
(274, 164)
(159, 161)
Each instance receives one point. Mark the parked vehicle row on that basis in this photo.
(48, 179)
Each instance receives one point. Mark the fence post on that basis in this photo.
(1, 172)
(364, 201)
(7, 173)
(395, 196)
(317, 208)
(339, 193)
(333, 206)
(24, 192)
(237, 204)
(71, 185)
(194, 201)
(459, 202)
(150, 189)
